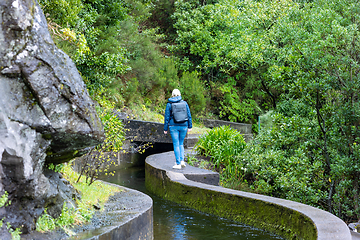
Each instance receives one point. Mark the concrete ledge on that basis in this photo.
(190, 172)
(289, 219)
(126, 215)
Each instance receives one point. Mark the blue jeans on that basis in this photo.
(178, 134)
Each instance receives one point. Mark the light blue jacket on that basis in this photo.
(169, 120)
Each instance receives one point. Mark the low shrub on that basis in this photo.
(222, 144)
(97, 161)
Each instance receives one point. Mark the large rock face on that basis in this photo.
(46, 115)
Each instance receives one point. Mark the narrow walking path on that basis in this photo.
(287, 218)
(355, 236)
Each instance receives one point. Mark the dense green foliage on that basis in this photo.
(228, 42)
(222, 144)
(303, 58)
(113, 49)
(237, 60)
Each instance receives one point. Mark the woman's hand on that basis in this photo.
(189, 129)
(165, 132)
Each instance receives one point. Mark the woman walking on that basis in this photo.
(178, 120)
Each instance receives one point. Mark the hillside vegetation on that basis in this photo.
(236, 60)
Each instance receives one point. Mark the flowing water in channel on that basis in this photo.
(172, 221)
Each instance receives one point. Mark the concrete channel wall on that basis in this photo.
(288, 219)
(128, 216)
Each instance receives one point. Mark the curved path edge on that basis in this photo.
(127, 215)
(289, 219)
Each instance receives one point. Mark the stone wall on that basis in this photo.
(154, 132)
(143, 131)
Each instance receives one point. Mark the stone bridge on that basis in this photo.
(142, 131)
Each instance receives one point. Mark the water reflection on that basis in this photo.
(175, 222)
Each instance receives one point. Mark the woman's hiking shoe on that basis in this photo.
(177, 166)
(183, 164)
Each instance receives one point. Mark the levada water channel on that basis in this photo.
(175, 222)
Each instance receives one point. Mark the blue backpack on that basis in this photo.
(179, 111)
